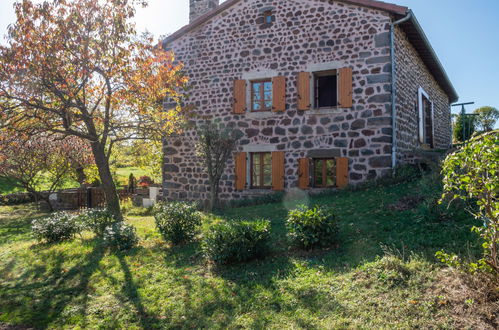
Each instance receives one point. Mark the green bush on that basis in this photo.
(471, 174)
(230, 242)
(311, 227)
(97, 220)
(177, 222)
(57, 227)
(120, 236)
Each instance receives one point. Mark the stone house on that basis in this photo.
(326, 93)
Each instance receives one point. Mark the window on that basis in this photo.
(261, 95)
(425, 119)
(324, 173)
(267, 17)
(326, 89)
(261, 170)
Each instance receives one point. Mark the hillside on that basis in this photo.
(382, 274)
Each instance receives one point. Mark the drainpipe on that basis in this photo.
(394, 87)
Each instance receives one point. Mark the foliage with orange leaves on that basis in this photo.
(79, 68)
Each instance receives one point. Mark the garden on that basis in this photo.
(324, 262)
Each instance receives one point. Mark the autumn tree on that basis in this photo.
(486, 118)
(215, 146)
(79, 68)
(36, 161)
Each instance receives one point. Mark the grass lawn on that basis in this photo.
(357, 284)
(122, 174)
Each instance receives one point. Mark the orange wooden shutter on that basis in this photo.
(239, 96)
(278, 170)
(342, 172)
(240, 170)
(303, 91)
(279, 94)
(303, 173)
(345, 88)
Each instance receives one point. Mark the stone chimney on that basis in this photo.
(201, 7)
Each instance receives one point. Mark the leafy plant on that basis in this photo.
(310, 227)
(57, 227)
(145, 181)
(177, 221)
(229, 242)
(120, 236)
(97, 220)
(472, 174)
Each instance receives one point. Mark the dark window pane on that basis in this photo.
(326, 89)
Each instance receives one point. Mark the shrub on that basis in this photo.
(310, 227)
(177, 221)
(57, 227)
(237, 241)
(97, 220)
(145, 181)
(472, 174)
(120, 236)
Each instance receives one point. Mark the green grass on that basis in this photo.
(79, 284)
(122, 174)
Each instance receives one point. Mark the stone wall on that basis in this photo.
(412, 74)
(304, 35)
(309, 36)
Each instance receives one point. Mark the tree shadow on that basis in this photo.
(40, 297)
(130, 290)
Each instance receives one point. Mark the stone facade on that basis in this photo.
(304, 36)
(412, 74)
(200, 7)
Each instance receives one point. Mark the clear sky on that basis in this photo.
(464, 33)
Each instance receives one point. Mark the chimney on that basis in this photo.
(201, 7)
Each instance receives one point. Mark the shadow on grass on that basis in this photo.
(39, 297)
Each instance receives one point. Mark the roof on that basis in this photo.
(412, 28)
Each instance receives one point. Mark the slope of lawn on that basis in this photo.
(380, 275)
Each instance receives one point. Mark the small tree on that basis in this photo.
(487, 118)
(215, 145)
(472, 173)
(32, 161)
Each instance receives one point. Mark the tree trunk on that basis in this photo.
(102, 162)
(213, 196)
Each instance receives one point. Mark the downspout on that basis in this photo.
(394, 87)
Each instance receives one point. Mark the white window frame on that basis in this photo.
(422, 133)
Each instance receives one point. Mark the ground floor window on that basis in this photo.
(425, 119)
(261, 170)
(324, 173)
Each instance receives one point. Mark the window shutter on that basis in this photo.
(303, 173)
(240, 170)
(342, 172)
(279, 94)
(239, 96)
(278, 170)
(303, 91)
(345, 88)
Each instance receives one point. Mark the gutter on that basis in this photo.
(394, 86)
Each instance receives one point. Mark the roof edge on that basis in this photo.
(380, 5)
(449, 89)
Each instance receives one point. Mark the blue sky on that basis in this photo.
(464, 33)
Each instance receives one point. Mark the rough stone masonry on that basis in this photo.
(303, 36)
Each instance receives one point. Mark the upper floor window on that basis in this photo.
(326, 89)
(267, 17)
(324, 173)
(261, 170)
(261, 95)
